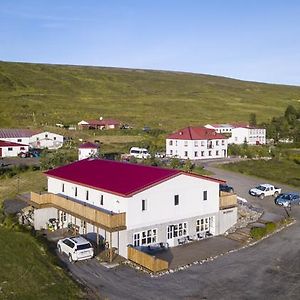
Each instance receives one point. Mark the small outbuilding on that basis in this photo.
(87, 150)
(11, 149)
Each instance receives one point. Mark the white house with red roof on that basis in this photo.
(87, 150)
(196, 143)
(33, 138)
(99, 124)
(134, 204)
(11, 149)
(240, 133)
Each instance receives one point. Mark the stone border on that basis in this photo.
(206, 260)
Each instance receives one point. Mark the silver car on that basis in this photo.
(287, 199)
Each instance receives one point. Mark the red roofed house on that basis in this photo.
(133, 204)
(196, 143)
(11, 149)
(87, 150)
(99, 124)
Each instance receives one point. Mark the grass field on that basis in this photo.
(282, 171)
(38, 95)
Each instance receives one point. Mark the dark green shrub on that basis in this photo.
(258, 232)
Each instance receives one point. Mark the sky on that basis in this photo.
(249, 40)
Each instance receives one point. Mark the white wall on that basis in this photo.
(251, 135)
(15, 150)
(110, 202)
(20, 140)
(179, 147)
(46, 140)
(84, 153)
(160, 201)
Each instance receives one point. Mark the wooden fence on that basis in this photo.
(110, 221)
(227, 200)
(147, 261)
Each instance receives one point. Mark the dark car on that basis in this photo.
(287, 199)
(226, 188)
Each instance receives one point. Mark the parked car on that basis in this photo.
(264, 190)
(287, 199)
(76, 248)
(139, 152)
(226, 188)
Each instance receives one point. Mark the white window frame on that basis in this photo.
(145, 238)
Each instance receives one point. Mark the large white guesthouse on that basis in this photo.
(196, 143)
(133, 204)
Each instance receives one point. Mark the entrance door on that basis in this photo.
(176, 231)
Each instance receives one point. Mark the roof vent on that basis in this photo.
(180, 132)
(101, 118)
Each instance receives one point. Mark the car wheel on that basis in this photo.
(261, 196)
(70, 258)
(275, 194)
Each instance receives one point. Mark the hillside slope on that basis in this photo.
(39, 94)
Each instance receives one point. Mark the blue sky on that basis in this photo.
(251, 40)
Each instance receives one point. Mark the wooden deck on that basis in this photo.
(227, 200)
(107, 220)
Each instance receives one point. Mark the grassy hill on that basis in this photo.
(41, 94)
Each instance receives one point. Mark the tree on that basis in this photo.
(252, 119)
(291, 114)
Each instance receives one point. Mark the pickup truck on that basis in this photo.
(264, 190)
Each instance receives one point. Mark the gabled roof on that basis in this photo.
(88, 145)
(196, 133)
(11, 144)
(120, 178)
(17, 133)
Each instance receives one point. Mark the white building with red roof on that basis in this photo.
(87, 150)
(11, 149)
(240, 133)
(196, 143)
(133, 204)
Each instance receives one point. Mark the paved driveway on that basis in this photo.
(270, 269)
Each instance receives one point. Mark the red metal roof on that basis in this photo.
(196, 133)
(11, 144)
(16, 133)
(88, 145)
(124, 179)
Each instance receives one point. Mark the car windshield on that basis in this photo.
(83, 246)
(286, 197)
(261, 188)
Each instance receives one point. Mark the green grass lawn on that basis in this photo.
(28, 271)
(282, 171)
(38, 95)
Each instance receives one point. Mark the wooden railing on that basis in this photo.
(227, 200)
(105, 220)
(147, 261)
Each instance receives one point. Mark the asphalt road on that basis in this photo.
(269, 269)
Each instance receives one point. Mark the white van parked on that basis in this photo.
(139, 152)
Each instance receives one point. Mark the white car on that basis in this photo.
(139, 152)
(264, 190)
(77, 248)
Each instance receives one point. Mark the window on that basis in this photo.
(209, 153)
(204, 195)
(76, 191)
(19, 140)
(63, 187)
(171, 143)
(175, 143)
(223, 142)
(202, 143)
(171, 152)
(146, 237)
(54, 138)
(22, 148)
(217, 153)
(185, 143)
(101, 200)
(177, 230)
(10, 149)
(217, 143)
(87, 195)
(144, 207)
(46, 135)
(185, 153)
(196, 143)
(176, 200)
(37, 138)
(202, 225)
(63, 216)
(196, 154)
(202, 153)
